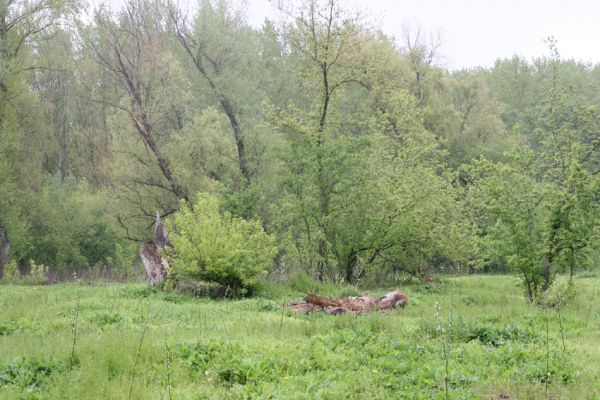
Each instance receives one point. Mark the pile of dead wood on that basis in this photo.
(357, 305)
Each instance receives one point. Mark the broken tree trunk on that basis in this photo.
(358, 305)
(4, 247)
(157, 266)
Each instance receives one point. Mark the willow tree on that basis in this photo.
(221, 47)
(130, 46)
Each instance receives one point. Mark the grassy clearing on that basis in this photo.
(134, 342)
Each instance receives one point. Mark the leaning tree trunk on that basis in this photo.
(157, 266)
(4, 247)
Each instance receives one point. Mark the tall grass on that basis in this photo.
(493, 343)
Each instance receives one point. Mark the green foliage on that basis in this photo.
(125, 256)
(11, 272)
(513, 221)
(38, 273)
(499, 336)
(67, 229)
(28, 375)
(214, 246)
(8, 328)
(347, 147)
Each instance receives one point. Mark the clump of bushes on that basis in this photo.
(12, 273)
(214, 246)
(38, 273)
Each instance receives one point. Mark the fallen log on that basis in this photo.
(357, 305)
(392, 300)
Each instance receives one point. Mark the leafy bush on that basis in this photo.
(66, 228)
(38, 273)
(12, 273)
(214, 246)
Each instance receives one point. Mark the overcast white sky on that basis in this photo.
(476, 33)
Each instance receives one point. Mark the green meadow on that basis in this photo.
(471, 337)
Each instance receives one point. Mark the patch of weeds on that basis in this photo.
(495, 336)
(487, 333)
(267, 306)
(104, 319)
(309, 329)
(8, 328)
(342, 322)
(231, 375)
(226, 361)
(197, 355)
(113, 368)
(29, 375)
(491, 319)
(560, 370)
(357, 337)
(429, 328)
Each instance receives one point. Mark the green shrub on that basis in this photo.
(38, 273)
(125, 256)
(12, 273)
(214, 246)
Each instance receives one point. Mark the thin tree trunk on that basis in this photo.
(4, 248)
(237, 135)
(323, 192)
(62, 133)
(350, 265)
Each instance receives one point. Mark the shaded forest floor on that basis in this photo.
(133, 342)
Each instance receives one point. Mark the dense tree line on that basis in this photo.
(360, 155)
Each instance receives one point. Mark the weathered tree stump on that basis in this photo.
(157, 267)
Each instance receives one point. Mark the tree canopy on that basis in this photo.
(357, 154)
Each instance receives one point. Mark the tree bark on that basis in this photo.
(4, 248)
(350, 265)
(157, 267)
